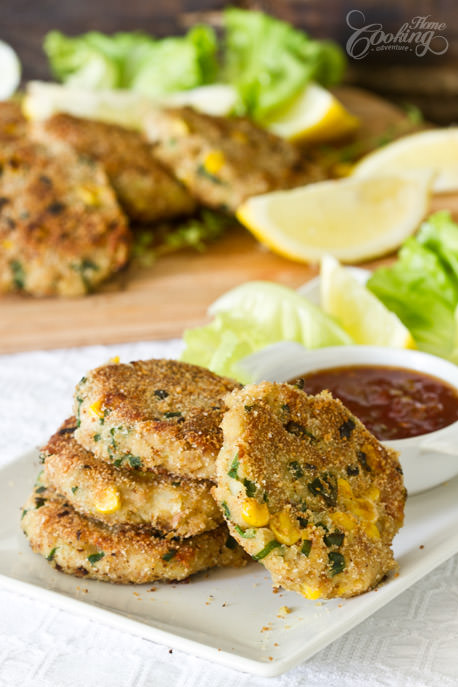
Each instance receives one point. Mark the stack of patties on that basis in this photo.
(124, 495)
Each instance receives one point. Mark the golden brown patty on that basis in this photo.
(225, 160)
(13, 124)
(173, 505)
(153, 413)
(79, 546)
(308, 491)
(61, 229)
(145, 189)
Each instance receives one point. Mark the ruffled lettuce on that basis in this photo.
(270, 62)
(88, 61)
(176, 64)
(253, 316)
(422, 286)
(134, 60)
(440, 235)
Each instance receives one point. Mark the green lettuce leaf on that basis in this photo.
(205, 43)
(440, 234)
(221, 345)
(422, 286)
(253, 316)
(270, 62)
(176, 64)
(134, 60)
(132, 50)
(168, 237)
(85, 61)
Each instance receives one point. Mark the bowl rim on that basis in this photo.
(343, 356)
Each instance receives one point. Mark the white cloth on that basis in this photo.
(413, 641)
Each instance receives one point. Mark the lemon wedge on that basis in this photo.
(214, 99)
(352, 219)
(123, 107)
(314, 116)
(436, 151)
(10, 71)
(358, 311)
(126, 108)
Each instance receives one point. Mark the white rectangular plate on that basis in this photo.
(227, 616)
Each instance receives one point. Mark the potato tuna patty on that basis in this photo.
(13, 124)
(308, 491)
(176, 506)
(153, 413)
(79, 546)
(225, 160)
(145, 189)
(61, 229)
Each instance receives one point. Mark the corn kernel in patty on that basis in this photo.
(108, 501)
(284, 528)
(310, 593)
(255, 514)
(213, 161)
(95, 408)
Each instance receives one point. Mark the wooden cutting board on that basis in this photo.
(160, 301)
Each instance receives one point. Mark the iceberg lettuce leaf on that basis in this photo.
(82, 61)
(253, 316)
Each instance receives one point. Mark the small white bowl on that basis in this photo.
(427, 460)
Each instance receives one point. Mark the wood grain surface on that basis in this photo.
(174, 293)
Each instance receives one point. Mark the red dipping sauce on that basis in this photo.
(392, 402)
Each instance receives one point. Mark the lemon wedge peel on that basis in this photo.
(353, 219)
(315, 116)
(435, 150)
(361, 314)
(123, 107)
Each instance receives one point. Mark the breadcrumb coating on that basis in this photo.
(174, 506)
(62, 231)
(153, 414)
(77, 545)
(308, 491)
(145, 188)
(225, 160)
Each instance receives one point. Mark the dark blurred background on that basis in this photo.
(429, 82)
